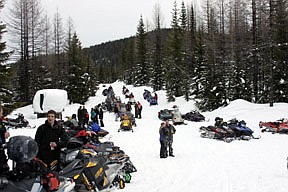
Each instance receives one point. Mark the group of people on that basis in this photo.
(166, 132)
(96, 115)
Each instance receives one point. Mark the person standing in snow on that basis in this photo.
(156, 97)
(101, 117)
(4, 134)
(79, 115)
(136, 110)
(163, 140)
(171, 131)
(50, 137)
(139, 109)
(93, 115)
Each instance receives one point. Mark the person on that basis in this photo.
(74, 123)
(136, 110)
(85, 116)
(139, 109)
(96, 109)
(163, 140)
(101, 117)
(170, 132)
(156, 97)
(128, 106)
(4, 134)
(116, 111)
(93, 115)
(79, 114)
(50, 137)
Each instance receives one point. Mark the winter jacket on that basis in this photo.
(2, 132)
(95, 127)
(163, 134)
(170, 131)
(100, 114)
(46, 134)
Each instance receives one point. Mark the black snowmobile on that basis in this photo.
(29, 173)
(193, 116)
(219, 131)
(92, 170)
(18, 122)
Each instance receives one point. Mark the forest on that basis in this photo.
(232, 49)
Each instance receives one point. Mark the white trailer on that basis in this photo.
(50, 99)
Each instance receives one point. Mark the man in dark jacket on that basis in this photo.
(51, 137)
(170, 132)
(4, 134)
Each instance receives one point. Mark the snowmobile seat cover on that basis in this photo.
(22, 148)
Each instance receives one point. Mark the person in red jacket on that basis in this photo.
(139, 109)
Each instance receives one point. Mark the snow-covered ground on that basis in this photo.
(199, 165)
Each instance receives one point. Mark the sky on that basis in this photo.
(99, 21)
(200, 164)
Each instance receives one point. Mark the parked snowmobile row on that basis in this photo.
(28, 173)
(85, 164)
(227, 131)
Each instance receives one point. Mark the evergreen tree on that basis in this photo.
(141, 70)
(79, 86)
(158, 79)
(176, 69)
(5, 71)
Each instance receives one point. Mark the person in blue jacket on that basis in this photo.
(163, 140)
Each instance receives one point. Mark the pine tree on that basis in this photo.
(176, 69)
(5, 72)
(158, 79)
(79, 86)
(141, 70)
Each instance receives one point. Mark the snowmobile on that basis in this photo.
(165, 114)
(126, 124)
(28, 173)
(18, 122)
(153, 101)
(241, 130)
(279, 126)
(193, 116)
(94, 172)
(146, 94)
(219, 133)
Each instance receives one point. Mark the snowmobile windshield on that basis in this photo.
(21, 149)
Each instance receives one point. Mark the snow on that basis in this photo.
(200, 164)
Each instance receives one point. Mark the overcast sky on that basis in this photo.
(99, 21)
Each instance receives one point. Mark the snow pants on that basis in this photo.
(170, 147)
(163, 149)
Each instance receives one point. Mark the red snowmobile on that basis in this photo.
(279, 126)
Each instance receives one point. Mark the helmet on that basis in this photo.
(21, 149)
